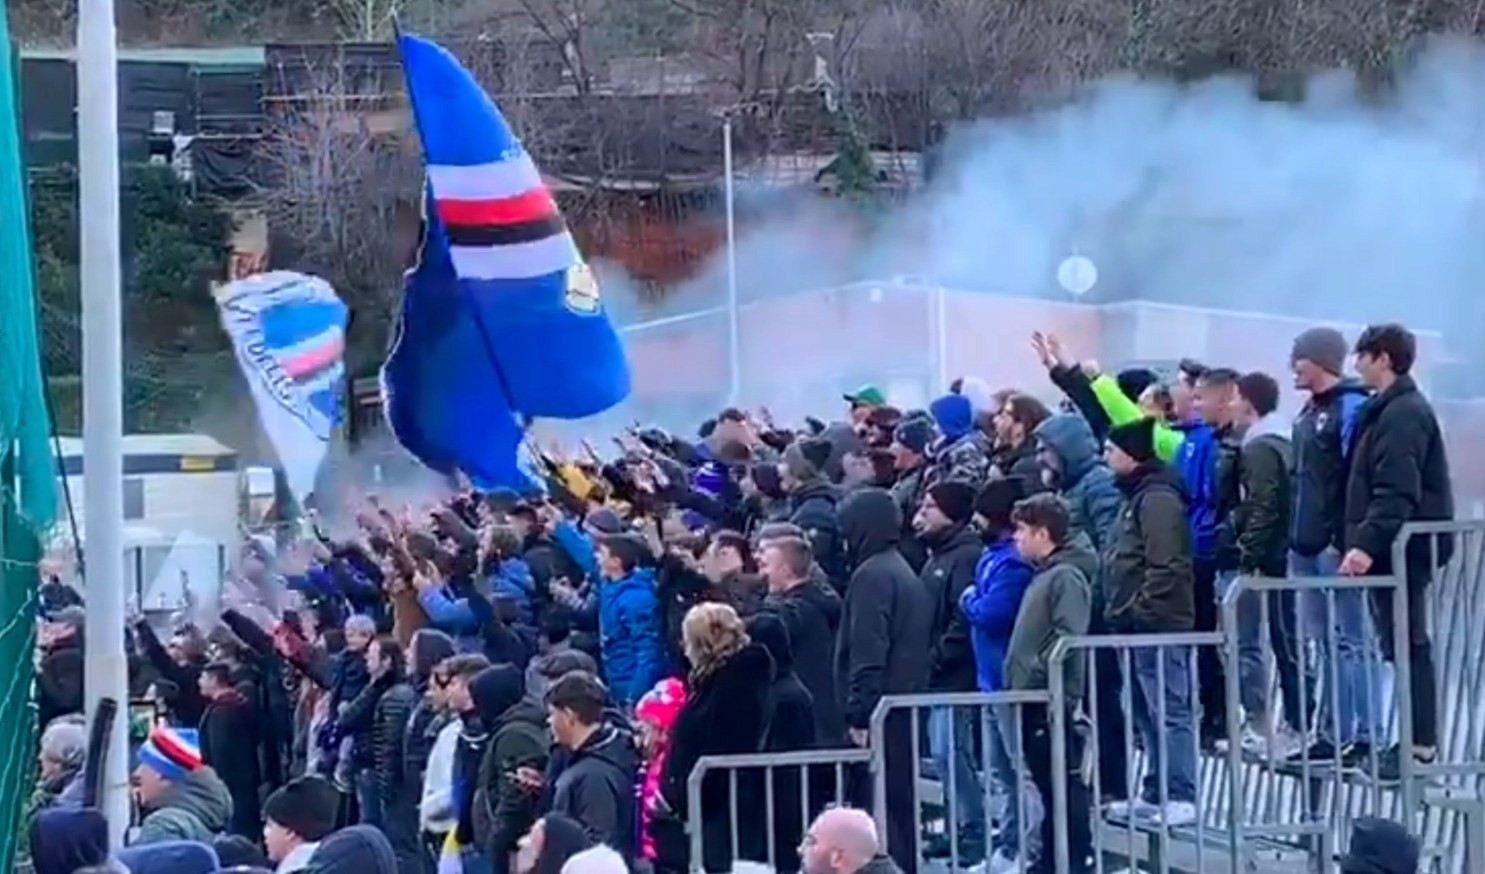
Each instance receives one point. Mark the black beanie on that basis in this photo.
(1136, 439)
(999, 496)
(1134, 381)
(306, 806)
(956, 500)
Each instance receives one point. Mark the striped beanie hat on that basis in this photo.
(171, 752)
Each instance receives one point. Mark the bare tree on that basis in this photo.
(367, 20)
(342, 195)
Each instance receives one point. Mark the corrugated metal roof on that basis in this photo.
(225, 56)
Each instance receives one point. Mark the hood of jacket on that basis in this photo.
(953, 538)
(1072, 440)
(611, 746)
(169, 857)
(769, 632)
(565, 837)
(1077, 552)
(64, 840)
(203, 795)
(1151, 475)
(954, 415)
(358, 849)
(495, 690)
(1272, 425)
(870, 523)
(817, 489)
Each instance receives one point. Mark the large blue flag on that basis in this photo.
(501, 320)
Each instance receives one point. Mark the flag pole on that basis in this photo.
(734, 341)
(106, 675)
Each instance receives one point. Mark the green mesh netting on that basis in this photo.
(27, 485)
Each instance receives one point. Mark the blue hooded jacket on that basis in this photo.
(991, 605)
(1196, 459)
(512, 581)
(629, 635)
(954, 415)
(1085, 482)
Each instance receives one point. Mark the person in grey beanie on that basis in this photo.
(1321, 442)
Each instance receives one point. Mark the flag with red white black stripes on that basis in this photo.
(501, 320)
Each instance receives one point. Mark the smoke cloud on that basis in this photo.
(1342, 207)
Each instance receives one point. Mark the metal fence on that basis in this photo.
(1305, 662)
(792, 789)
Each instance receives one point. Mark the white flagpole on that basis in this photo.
(103, 410)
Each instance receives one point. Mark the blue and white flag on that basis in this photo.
(289, 333)
(501, 319)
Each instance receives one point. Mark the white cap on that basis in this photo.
(597, 860)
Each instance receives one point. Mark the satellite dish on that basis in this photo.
(1077, 275)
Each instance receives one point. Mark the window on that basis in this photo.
(133, 498)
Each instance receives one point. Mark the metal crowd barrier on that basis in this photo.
(998, 717)
(1252, 809)
(761, 772)
(1138, 835)
(1274, 798)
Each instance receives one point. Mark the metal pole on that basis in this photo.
(734, 342)
(103, 390)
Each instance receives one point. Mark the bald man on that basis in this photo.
(843, 840)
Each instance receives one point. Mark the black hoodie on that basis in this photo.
(793, 726)
(953, 555)
(562, 838)
(597, 788)
(358, 849)
(811, 611)
(886, 640)
(503, 809)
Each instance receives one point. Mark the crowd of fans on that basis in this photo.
(524, 682)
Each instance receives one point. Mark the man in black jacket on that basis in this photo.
(1399, 474)
(1323, 436)
(59, 677)
(954, 546)
(812, 502)
(1253, 541)
(596, 787)
(229, 739)
(885, 647)
(811, 611)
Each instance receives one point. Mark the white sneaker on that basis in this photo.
(1284, 743)
(1131, 808)
(1173, 814)
(999, 863)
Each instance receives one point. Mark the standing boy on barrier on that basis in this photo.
(1058, 604)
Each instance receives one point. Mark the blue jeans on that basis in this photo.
(368, 798)
(1003, 747)
(1254, 687)
(1351, 686)
(1176, 734)
(969, 794)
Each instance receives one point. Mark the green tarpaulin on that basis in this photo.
(27, 486)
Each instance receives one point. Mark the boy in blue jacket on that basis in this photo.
(629, 618)
(991, 605)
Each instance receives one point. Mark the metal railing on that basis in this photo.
(1000, 717)
(1255, 802)
(770, 775)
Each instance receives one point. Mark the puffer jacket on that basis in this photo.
(630, 635)
(389, 739)
(1084, 481)
(991, 605)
